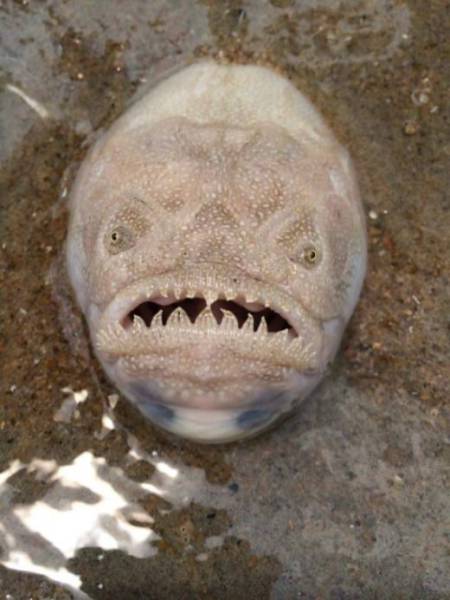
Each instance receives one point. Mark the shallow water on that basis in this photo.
(349, 498)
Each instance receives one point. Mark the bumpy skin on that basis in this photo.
(222, 185)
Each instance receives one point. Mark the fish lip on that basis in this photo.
(204, 285)
(189, 283)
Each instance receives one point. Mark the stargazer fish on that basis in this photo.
(217, 248)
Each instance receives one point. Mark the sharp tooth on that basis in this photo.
(206, 320)
(102, 338)
(138, 324)
(107, 334)
(248, 324)
(229, 321)
(177, 318)
(157, 320)
(190, 294)
(262, 329)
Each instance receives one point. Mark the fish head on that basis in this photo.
(217, 267)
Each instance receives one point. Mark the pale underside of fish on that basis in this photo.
(217, 248)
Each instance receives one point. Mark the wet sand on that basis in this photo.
(349, 498)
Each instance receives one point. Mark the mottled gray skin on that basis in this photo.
(222, 185)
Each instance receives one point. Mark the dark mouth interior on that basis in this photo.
(193, 307)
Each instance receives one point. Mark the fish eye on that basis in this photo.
(120, 238)
(309, 256)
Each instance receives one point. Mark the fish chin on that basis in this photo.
(202, 412)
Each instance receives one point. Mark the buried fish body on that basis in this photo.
(217, 248)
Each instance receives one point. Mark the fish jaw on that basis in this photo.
(225, 368)
(263, 407)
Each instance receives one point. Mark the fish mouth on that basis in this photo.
(232, 313)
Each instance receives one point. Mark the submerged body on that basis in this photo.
(217, 248)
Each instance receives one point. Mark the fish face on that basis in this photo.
(217, 261)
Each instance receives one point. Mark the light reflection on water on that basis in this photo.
(89, 503)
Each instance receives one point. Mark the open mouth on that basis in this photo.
(173, 314)
(159, 312)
